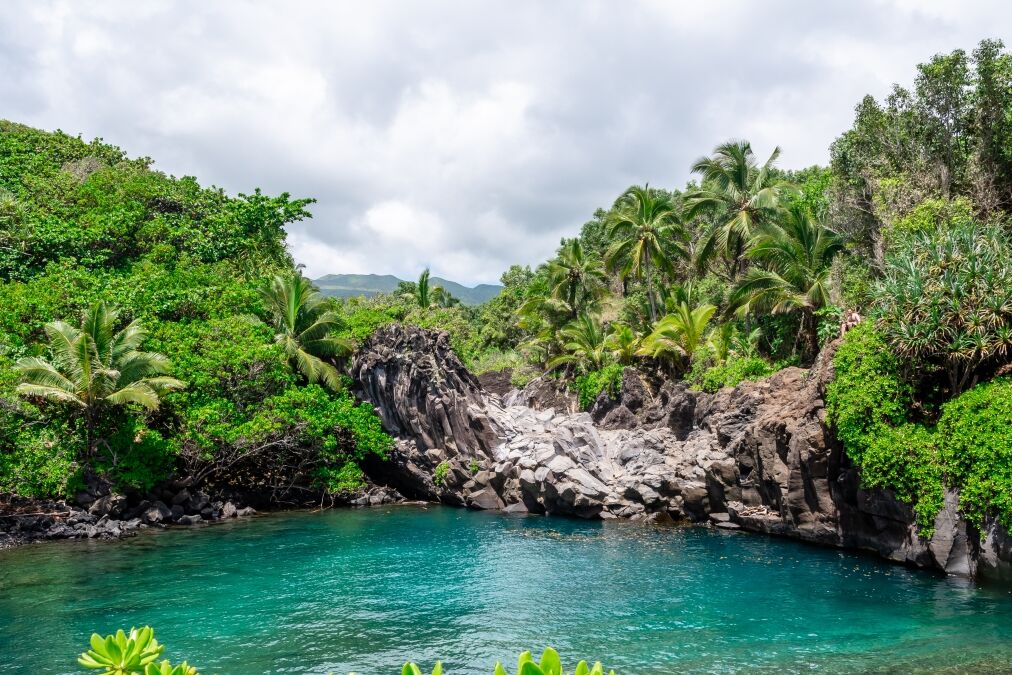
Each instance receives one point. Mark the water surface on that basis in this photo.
(363, 590)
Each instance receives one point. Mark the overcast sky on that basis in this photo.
(464, 135)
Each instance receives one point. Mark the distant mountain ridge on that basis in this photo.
(353, 285)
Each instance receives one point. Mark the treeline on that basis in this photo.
(745, 270)
(150, 327)
(750, 268)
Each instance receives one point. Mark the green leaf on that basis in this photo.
(551, 664)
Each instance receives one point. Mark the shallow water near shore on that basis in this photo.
(364, 590)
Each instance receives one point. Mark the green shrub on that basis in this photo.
(441, 472)
(866, 392)
(495, 361)
(905, 459)
(41, 462)
(976, 446)
(590, 386)
(868, 404)
(347, 477)
(137, 456)
(731, 373)
(828, 318)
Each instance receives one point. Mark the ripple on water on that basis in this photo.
(364, 590)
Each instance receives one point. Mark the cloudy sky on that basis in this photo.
(461, 135)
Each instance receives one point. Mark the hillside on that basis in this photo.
(352, 285)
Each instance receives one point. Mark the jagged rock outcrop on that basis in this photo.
(758, 457)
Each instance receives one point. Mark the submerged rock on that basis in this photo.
(758, 457)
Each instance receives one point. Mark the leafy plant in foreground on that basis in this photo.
(128, 653)
(550, 664)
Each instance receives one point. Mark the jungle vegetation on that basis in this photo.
(746, 269)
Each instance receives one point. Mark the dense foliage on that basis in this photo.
(116, 275)
(744, 270)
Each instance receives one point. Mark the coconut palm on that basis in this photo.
(422, 290)
(678, 335)
(738, 195)
(583, 344)
(647, 226)
(794, 260)
(304, 326)
(92, 368)
(440, 297)
(576, 279)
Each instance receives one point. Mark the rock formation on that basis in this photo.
(758, 457)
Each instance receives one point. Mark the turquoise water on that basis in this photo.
(362, 590)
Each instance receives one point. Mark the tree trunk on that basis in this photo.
(650, 291)
(812, 329)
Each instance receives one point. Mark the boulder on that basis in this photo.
(156, 513)
(109, 505)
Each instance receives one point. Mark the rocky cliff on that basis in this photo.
(758, 457)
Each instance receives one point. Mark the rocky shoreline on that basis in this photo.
(99, 514)
(759, 457)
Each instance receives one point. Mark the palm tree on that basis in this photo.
(647, 225)
(794, 261)
(440, 297)
(739, 195)
(678, 335)
(92, 368)
(303, 325)
(584, 344)
(623, 342)
(577, 279)
(422, 290)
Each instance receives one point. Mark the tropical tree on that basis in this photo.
(440, 297)
(303, 323)
(647, 227)
(946, 300)
(677, 336)
(423, 291)
(623, 342)
(794, 260)
(738, 195)
(583, 342)
(577, 279)
(93, 368)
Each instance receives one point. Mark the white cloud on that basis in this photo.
(461, 135)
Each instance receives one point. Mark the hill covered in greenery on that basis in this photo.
(370, 285)
(142, 334)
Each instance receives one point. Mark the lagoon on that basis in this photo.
(364, 590)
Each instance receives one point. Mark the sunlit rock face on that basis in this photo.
(757, 457)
